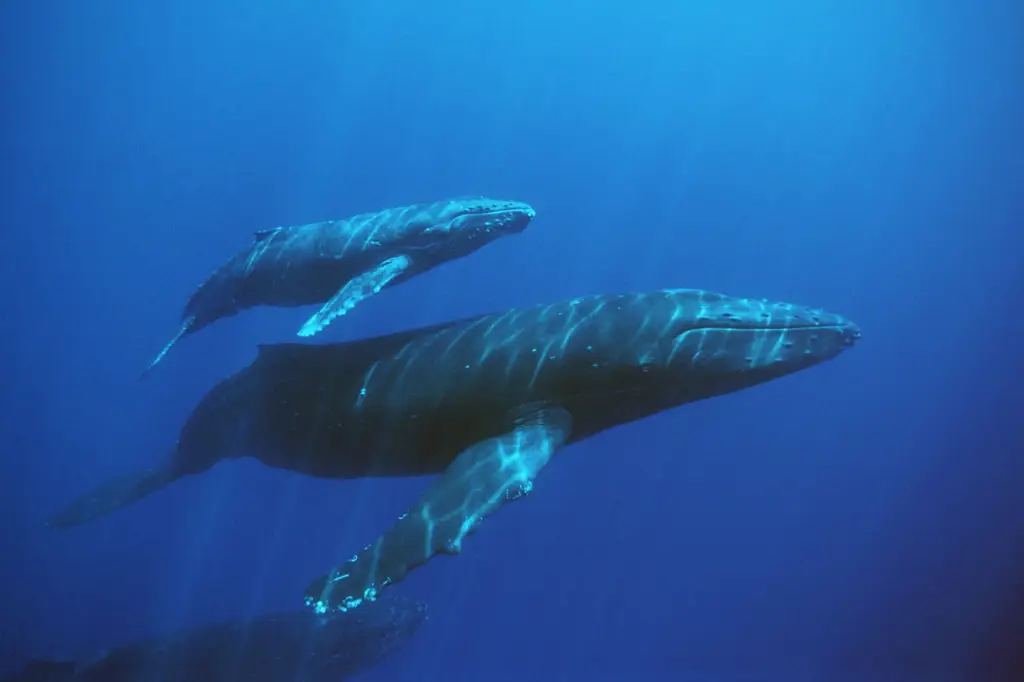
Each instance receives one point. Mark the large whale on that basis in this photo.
(342, 262)
(485, 402)
(289, 646)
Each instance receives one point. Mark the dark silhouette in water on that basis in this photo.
(295, 646)
(485, 401)
(342, 262)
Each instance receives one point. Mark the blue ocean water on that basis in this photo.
(860, 520)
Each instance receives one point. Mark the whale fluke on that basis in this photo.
(186, 326)
(45, 670)
(114, 494)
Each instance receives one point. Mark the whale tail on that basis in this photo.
(115, 494)
(45, 670)
(185, 328)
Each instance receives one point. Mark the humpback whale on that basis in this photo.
(273, 647)
(342, 262)
(485, 402)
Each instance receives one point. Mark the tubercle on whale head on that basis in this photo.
(480, 205)
(680, 345)
(722, 335)
(475, 221)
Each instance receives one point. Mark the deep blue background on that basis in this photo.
(858, 519)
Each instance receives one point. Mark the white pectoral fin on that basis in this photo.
(354, 291)
(483, 478)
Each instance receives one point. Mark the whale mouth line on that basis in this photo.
(769, 328)
(500, 211)
(482, 221)
(478, 214)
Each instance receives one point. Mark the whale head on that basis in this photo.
(465, 224)
(658, 349)
(706, 344)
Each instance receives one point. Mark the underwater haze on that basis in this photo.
(860, 520)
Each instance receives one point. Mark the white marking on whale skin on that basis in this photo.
(365, 388)
(375, 227)
(353, 228)
(459, 336)
(541, 361)
(261, 249)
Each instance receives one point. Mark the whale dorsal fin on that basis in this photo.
(353, 352)
(281, 351)
(260, 235)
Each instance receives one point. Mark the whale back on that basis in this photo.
(359, 353)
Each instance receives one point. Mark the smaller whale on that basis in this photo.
(275, 647)
(342, 262)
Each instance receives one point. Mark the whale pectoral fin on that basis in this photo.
(354, 291)
(186, 326)
(114, 494)
(480, 480)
